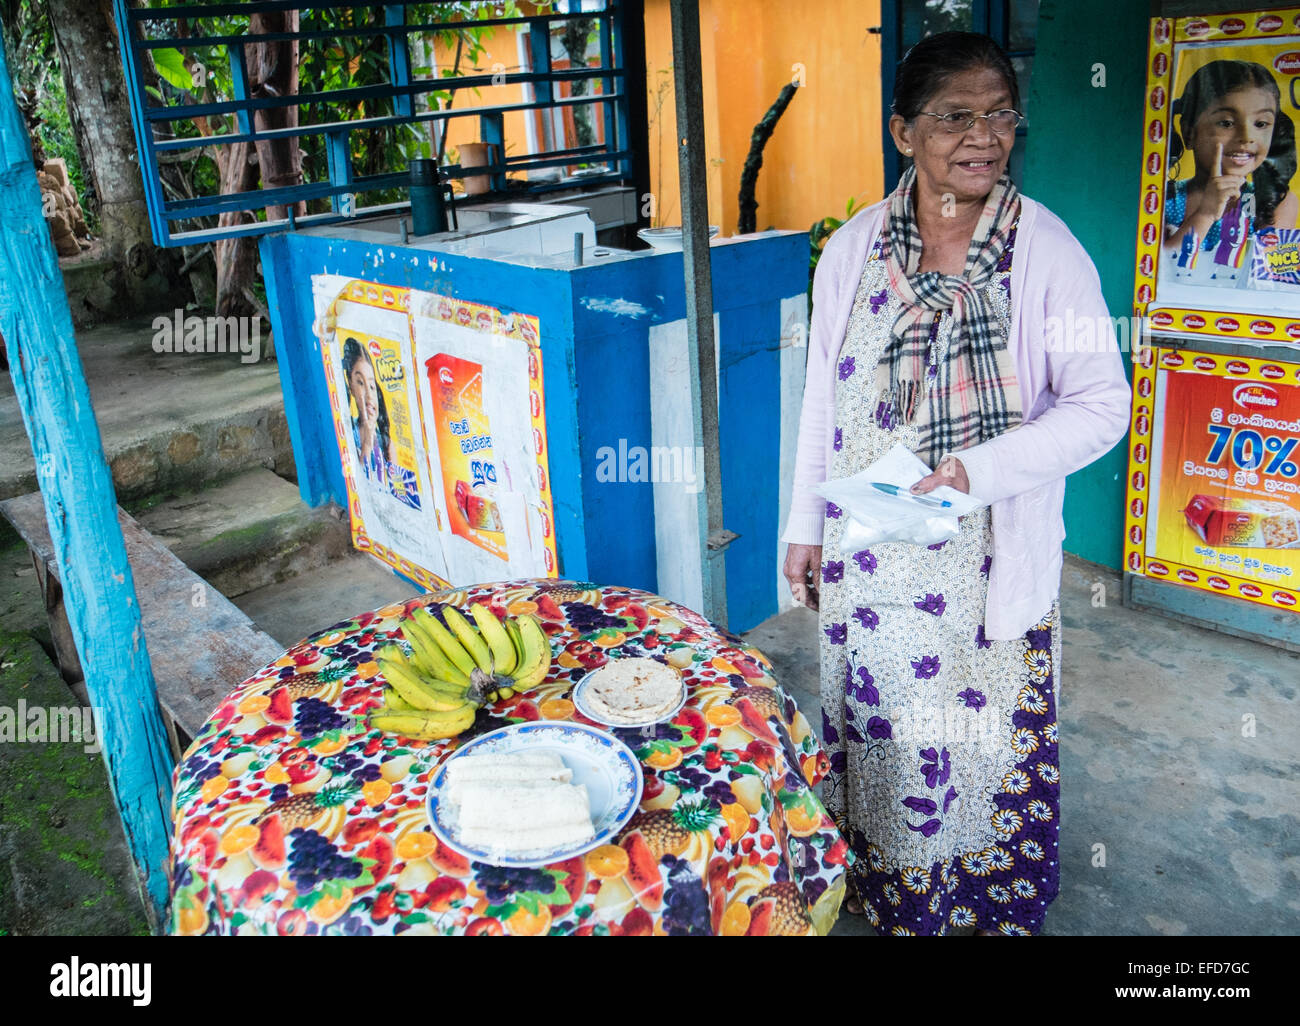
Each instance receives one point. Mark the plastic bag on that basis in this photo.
(880, 507)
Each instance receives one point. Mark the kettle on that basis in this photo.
(431, 198)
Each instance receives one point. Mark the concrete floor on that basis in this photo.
(1197, 814)
(300, 606)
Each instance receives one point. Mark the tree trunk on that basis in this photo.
(273, 69)
(747, 223)
(100, 112)
(236, 258)
(272, 163)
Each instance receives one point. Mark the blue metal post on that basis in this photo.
(613, 140)
(338, 161)
(492, 129)
(145, 147)
(81, 508)
(238, 59)
(399, 60)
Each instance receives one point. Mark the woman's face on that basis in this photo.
(361, 383)
(965, 165)
(1241, 122)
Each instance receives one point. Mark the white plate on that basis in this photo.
(583, 706)
(600, 761)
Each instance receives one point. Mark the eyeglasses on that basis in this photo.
(1001, 121)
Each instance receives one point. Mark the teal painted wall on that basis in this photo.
(1084, 162)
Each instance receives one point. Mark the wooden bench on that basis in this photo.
(200, 644)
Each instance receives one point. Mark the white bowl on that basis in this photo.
(668, 240)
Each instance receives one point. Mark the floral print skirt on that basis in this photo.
(943, 744)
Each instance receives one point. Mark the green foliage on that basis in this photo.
(818, 236)
(171, 66)
(202, 75)
(29, 44)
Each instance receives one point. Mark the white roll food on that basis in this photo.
(517, 802)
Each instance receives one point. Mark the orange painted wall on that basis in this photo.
(501, 49)
(826, 147)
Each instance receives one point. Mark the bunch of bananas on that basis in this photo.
(456, 668)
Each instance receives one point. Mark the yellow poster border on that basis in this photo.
(1157, 121)
(1142, 457)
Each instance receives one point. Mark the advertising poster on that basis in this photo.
(365, 335)
(440, 418)
(481, 396)
(1214, 475)
(469, 465)
(1219, 228)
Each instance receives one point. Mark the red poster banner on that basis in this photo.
(1214, 475)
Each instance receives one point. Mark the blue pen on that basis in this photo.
(903, 493)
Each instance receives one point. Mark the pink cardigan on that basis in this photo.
(1076, 405)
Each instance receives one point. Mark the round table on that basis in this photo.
(292, 817)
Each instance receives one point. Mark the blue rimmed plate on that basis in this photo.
(611, 773)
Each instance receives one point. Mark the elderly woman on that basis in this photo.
(933, 313)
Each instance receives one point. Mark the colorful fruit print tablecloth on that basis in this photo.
(291, 817)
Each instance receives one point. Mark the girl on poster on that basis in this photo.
(370, 430)
(1244, 154)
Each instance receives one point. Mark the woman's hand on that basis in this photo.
(803, 569)
(367, 438)
(950, 472)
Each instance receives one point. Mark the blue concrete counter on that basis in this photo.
(623, 473)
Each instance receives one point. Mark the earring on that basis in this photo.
(908, 151)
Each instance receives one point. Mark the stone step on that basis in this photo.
(247, 532)
(169, 421)
(313, 601)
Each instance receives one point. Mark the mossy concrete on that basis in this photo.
(21, 608)
(248, 532)
(64, 865)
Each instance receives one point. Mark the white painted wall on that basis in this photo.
(676, 505)
(794, 357)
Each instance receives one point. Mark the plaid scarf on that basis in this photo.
(973, 399)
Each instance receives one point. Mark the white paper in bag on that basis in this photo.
(875, 516)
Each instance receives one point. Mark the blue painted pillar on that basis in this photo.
(81, 507)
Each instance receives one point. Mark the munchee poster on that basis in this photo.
(365, 338)
(440, 416)
(482, 399)
(1219, 228)
(1214, 475)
